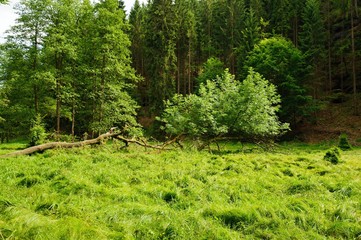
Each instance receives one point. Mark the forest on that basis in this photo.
(184, 119)
(74, 68)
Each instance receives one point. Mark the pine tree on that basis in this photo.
(312, 41)
(160, 50)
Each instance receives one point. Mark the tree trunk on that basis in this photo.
(73, 122)
(98, 140)
(58, 106)
(353, 58)
(35, 66)
(329, 47)
(189, 65)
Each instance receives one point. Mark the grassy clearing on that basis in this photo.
(240, 193)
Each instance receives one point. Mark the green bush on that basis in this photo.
(333, 155)
(37, 132)
(343, 143)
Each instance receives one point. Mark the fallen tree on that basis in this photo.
(98, 140)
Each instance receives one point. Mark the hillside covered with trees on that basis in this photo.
(77, 68)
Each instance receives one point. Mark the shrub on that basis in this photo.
(333, 155)
(37, 132)
(226, 107)
(343, 143)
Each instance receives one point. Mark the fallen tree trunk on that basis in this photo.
(97, 140)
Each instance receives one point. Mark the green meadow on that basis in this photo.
(241, 192)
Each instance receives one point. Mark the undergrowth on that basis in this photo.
(244, 192)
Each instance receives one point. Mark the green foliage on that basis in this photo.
(333, 155)
(226, 106)
(212, 69)
(279, 61)
(119, 111)
(160, 42)
(70, 62)
(3, 103)
(343, 143)
(37, 132)
(312, 36)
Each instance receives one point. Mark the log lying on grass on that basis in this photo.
(97, 140)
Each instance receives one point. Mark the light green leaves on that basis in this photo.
(226, 106)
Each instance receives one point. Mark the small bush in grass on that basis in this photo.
(333, 155)
(170, 197)
(37, 132)
(343, 143)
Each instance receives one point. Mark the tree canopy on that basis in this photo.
(280, 62)
(85, 67)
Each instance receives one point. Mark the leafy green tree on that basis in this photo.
(224, 107)
(210, 70)
(284, 65)
(113, 77)
(61, 53)
(25, 78)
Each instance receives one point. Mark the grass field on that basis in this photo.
(243, 192)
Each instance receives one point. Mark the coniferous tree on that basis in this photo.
(251, 34)
(160, 50)
(312, 42)
(137, 23)
(185, 44)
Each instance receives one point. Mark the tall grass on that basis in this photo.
(240, 193)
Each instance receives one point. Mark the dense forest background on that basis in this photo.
(80, 68)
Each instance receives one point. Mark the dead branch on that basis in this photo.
(98, 140)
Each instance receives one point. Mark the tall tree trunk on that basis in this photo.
(295, 31)
(329, 46)
(354, 84)
(35, 66)
(58, 95)
(189, 65)
(73, 121)
(58, 105)
(178, 67)
(102, 90)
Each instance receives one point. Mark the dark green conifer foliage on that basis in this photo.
(160, 52)
(343, 143)
(312, 43)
